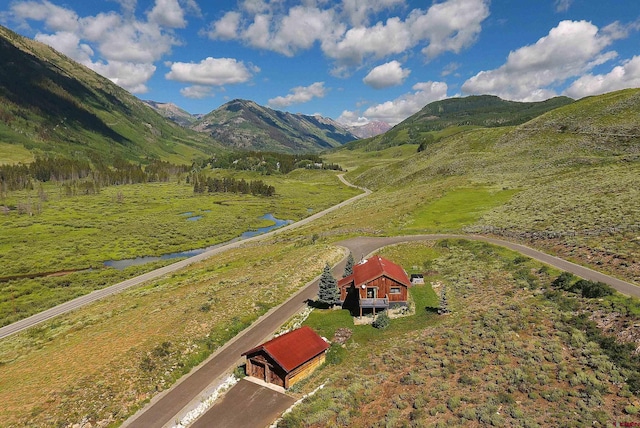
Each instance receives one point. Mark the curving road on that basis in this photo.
(117, 288)
(185, 395)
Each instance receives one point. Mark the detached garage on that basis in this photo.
(285, 360)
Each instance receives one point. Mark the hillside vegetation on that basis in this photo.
(440, 119)
(245, 125)
(50, 104)
(574, 176)
(512, 352)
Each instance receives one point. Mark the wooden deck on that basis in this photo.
(381, 303)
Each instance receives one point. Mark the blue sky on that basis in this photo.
(352, 60)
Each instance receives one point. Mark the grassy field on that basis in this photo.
(458, 208)
(12, 154)
(104, 361)
(78, 232)
(507, 355)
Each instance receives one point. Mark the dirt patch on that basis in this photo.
(625, 329)
(341, 336)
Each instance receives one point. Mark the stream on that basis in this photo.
(125, 263)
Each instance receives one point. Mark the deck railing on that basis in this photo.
(374, 303)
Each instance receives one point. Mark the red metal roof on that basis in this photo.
(373, 268)
(293, 349)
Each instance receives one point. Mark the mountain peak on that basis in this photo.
(244, 124)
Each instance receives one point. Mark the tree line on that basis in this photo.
(265, 162)
(202, 184)
(94, 173)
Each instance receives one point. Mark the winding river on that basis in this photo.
(125, 263)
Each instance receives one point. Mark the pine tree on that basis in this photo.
(328, 293)
(348, 269)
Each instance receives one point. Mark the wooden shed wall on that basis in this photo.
(304, 370)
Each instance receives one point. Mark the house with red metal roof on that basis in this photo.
(376, 283)
(286, 359)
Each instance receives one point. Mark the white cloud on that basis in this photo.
(168, 13)
(226, 27)
(352, 118)
(450, 26)
(623, 76)
(385, 75)
(212, 72)
(197, 92)
(131, 76)
(117, 45)
(392, 37)
(134, 42)
(345, 35)
(358, 11)
(563, 5)
(301, 28)
(299, 95)
(530, 73)
(394, 112)
(450, 68)
(55, 18)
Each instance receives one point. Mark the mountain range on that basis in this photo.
(245, 125)
(51, 104)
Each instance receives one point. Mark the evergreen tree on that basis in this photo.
(328, 293)
(382, 321)
(348, 269)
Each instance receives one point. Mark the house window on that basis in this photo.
(395, 290)
(371, 293)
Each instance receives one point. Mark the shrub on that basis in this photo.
(382, 321)
(453, 403)
(563, 281)
(631, 410)
(592, 290)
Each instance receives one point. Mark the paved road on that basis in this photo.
(163, 409)
(365, 245)
(117, 288)
(245, 405)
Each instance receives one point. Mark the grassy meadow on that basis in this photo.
(65, 233)
(104, 361)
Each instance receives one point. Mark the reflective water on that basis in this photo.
(122, 264)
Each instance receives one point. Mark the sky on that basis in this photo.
(355, 61)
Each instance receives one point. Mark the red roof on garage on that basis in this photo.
(293, 349)
(373, 268)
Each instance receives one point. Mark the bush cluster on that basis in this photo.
(586, 288)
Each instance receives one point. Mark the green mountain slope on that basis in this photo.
(242, 124)
(51, 104)
(567, 181)
(452, 115)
